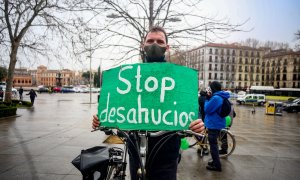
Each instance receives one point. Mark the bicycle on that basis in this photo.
(202, 142)
(113, 161)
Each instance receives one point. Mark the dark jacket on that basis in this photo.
(212, 110)
(170, 149)
(201, 102)
(32, 94)
(21, 91)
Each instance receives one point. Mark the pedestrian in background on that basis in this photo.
(201, 101)
(213, 122)
(32, 96)
(1, 94)
(21, 93)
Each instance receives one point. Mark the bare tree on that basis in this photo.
(255, 43)
(297, 34)
(276, 45)
(297, 38)
(251, 42)
(28, 27)
(127, 21)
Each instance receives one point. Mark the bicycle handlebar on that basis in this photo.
(149, 133)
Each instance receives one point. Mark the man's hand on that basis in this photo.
(197, 126)
(96, 122)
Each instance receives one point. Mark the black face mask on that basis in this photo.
(155, 53)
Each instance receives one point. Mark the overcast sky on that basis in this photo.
(273, 20)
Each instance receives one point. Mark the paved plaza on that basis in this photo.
(41, 142)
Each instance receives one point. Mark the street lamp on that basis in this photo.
(90, 56)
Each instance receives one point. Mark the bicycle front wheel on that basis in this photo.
(192, 141)
(113, 174)
(226, 143)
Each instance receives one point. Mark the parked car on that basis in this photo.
(293, 106)
(93, 90)
(67, 89)
(14, 91)
(78, 89)
(241, 94)
(43, 90)
(258, 99)
(232, 95)
(57, 89)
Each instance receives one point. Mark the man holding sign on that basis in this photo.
(156, 112)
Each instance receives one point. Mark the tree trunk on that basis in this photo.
(10, 73)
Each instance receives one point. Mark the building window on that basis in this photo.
(216, 51)
(209, 76)
(210, 51)
(284, 77)
(233, 60)
(277, 77)
(210, 59)
(221, 67)
(294, 77)
(228, 52)
(241, 61)
(246, 77)
(216, 76)
(210, 67)
(216, 67)
(216, 59)
(284, 69)
(246, 60)
(233, 52)
(240, 77)
(240, 69)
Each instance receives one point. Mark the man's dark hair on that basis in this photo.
(157, 29)
(215, 86)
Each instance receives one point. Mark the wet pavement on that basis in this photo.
(41, 142)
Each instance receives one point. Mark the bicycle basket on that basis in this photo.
(92, 159)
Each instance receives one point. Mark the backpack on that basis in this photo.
(225, 108)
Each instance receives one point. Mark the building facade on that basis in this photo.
(52, 78)
(281, 69)
(22, 78)
(43, 76)
(240, 67)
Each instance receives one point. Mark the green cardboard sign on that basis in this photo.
(149, 96)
